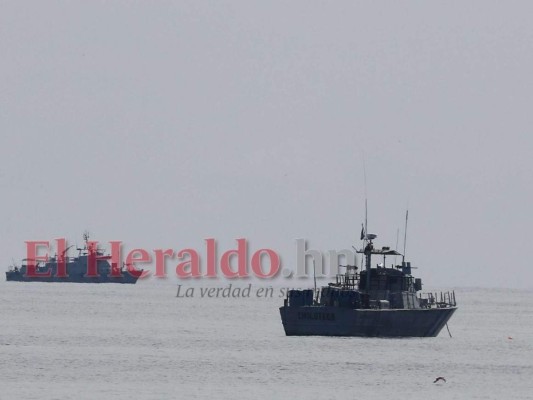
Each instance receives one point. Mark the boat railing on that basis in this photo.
(348, 280)
(437, 299)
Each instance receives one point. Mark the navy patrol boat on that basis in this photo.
(376, 302)
(76, 268)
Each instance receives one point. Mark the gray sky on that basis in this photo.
(164, 123)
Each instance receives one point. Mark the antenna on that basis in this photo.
(314, 277)
(366, 197)
(405, 234)
(368, 237)
(86, 236)
(366, 217)
(396, 248)
(67, 249)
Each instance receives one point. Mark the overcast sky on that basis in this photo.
(164, 123)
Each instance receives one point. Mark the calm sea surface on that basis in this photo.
(88, 341)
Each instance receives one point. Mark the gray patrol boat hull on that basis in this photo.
(337, 321)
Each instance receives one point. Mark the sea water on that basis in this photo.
(110, 341)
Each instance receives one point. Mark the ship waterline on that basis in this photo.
(336, 321)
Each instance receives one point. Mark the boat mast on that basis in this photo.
(366, 199)
(366, 242)
(366, 217)
(396, 248)
(314, 278)
(405, 235)
(367, 252)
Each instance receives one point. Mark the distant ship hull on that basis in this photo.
(337, 321)
(125, 278)
(62, 268)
